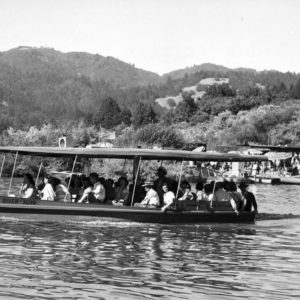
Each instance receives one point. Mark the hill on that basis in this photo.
(206, 67)
(93, 66)
(42, 85)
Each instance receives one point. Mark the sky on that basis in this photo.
(161, 35)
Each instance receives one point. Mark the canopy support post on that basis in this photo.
(179, 181)
(13, 171)
(2, 166)
(180, 175)
(38, 174)
(135, 180)
(73, 167)
(213, 193)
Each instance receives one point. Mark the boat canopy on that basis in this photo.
(273, 148)
(131, 153)
(278, 155)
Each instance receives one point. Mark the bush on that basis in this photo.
(155, 134)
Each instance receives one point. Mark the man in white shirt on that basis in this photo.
(151, 199)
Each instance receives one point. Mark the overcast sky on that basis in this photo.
(161, 35)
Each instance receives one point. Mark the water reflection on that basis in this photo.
(85, 258)
(132, 260)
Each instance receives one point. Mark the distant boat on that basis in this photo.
(276, 153)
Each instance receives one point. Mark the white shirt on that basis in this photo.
(48, 192)
(85, 194)
(201, 196)
(168, 198)
(99, 191)
(151, 198)
(222, 195)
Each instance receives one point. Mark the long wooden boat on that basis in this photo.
(12, 204)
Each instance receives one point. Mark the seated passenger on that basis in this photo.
(169, 197)
(109, 189)
(202, 195)
(74, 186)
(87, 188)
(222, 199)
(98, 193)
(139, 193)
(238, 201)
(187, 194)
(62, 193)
(151, 199)
(28, 187)
(220, 194)
(250, 198)
(219, 198)
(158, 183)
(47, 193)
(121, 191)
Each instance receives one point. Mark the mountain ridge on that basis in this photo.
(98, 67)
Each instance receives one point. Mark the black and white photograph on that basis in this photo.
(149, 149)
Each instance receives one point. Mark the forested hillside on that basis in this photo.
(42, 88)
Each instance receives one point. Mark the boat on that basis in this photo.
(276, 153)
(190, 214)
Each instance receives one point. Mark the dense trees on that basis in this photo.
(143, 114)
(108, 115)
(54, 95)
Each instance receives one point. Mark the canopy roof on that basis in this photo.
(278, 155)
(275, 148)
(130, 153)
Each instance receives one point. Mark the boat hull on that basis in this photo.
(136, 214)
(277, 180)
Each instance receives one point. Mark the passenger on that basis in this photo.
(185, 187)
(151, 199)
(121, 191)
(28, 187)
(98, 193)
(109, 189)
(250, 198)
(204, 197)
(62, 193)
(222, 196)
(238, 201)
(47, 192)
(158, 183)
(139, 193)
(200, 194)
(208, 190)
(86, 190)
(169, 197)
(74, 186)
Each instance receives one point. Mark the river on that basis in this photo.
(86, 258)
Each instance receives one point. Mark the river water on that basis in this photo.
(86, 258)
